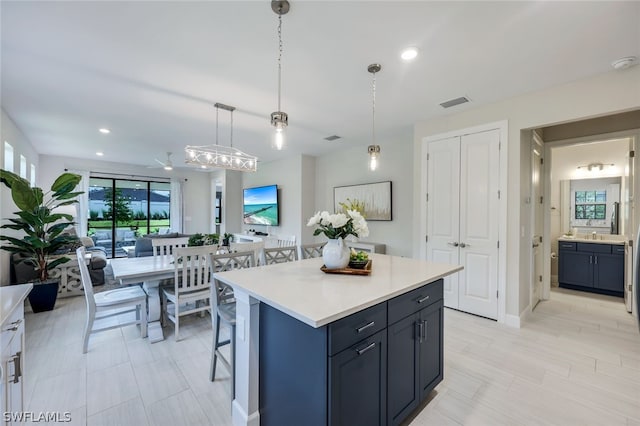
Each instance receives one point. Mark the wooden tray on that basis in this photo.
(349, 271)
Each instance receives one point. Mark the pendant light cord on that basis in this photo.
(231, 138)
(279, 58)
(373, 122)
(217, 110)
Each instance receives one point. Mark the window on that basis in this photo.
(8, 157)
(121, 210)
(32, 179)
(591, 205)
(23, 167)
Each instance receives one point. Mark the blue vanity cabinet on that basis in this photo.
(592, 267)
(574, 267)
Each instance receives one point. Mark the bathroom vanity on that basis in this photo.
(594, 265)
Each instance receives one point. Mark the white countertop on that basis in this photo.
(608, 240)
(10, 297)
(300, 289)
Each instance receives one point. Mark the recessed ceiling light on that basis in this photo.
(104, 131)
(99, 153)
(409, 54)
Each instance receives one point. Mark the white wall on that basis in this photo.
(196, 190)
(349, 166)
(21, 146)
(600, 95)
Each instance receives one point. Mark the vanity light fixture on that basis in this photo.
(279, 118)
(373, 149)
(593, 166)
(218, 156)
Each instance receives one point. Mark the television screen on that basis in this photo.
(260, 205)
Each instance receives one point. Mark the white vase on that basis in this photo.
(335, 254)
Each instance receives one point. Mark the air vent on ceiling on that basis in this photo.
(454, 102)
(332, 138)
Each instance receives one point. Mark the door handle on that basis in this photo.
(453, 244)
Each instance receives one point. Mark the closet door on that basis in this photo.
(443, 209)
(479, 183)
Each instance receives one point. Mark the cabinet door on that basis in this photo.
(609, 272)
(402, 376)
(576, 268)
(431, 349)
(358, 383)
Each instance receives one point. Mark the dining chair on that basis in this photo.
(308, 251)
(224, 310)
(257, 247)
(166, 246)
(191, 283)
(287, 241)
(280, 255)
(110, 303)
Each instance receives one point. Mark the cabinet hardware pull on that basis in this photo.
(424, 330)
(17, 372)
(13, 326)
(423, 299)
(596, 260)
(421, 331)
(591, 259)
(364, 327)
(453, 244)
(367, 348)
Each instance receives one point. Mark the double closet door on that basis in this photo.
(463, 218)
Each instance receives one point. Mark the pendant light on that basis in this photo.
(374, 150)
(219, 156)
(279, 119)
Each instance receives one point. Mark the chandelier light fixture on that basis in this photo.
(224, 157)
(374, 150)
(279, 118)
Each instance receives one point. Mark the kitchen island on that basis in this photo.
(316, 348)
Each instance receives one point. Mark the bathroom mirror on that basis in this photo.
(591, 205)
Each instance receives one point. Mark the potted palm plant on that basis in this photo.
(43, 229)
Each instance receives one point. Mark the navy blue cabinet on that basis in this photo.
(415, 355)
(592, 267)
(371, 368)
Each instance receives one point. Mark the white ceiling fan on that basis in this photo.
(167, 165)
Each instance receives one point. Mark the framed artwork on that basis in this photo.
(376, 198)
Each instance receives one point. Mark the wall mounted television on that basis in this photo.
(260, 206)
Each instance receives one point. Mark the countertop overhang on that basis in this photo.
(10, 297)
(592, 241)
(300, 289)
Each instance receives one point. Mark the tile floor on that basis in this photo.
(575, 362)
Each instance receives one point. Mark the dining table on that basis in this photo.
(150, 271)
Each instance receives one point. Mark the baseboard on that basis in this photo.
(554, 281)
(513, 320)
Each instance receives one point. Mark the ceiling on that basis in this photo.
(151, 71)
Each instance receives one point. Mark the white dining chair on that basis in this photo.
(309, 251)
(166, 246)
(224, 311)
(191, 283)
(280, 255)
(287, 241)
(110, 303)
(257, 247)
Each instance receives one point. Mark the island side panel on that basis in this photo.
(293, 370)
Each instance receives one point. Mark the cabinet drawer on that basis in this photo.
(407, 304)
(10, 327)
(350, 330)
(594, 248)
(563, 245)
(618, 249)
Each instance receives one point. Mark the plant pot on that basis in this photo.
(43, 296)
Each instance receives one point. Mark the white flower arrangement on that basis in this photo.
(339, 225)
